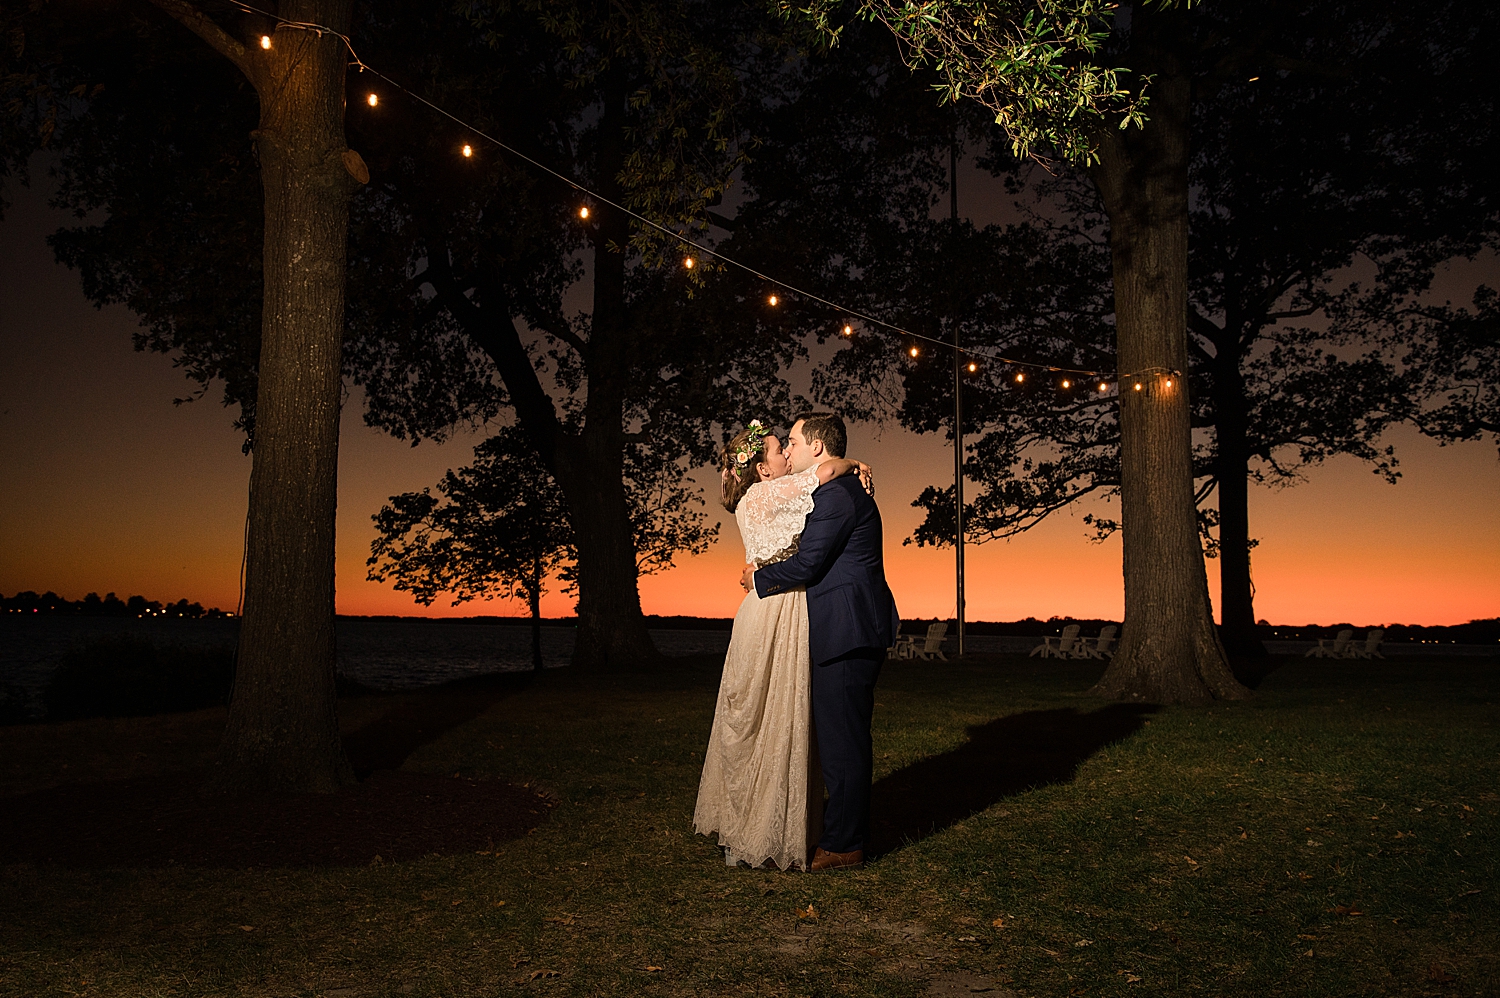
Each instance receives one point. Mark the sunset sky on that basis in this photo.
(105, 485)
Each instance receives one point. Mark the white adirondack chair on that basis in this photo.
(1337, 648)
(1371, 647)
(1063, 647)
(1102, 647)
(933, 645)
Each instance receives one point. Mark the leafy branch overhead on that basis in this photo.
(1035, 64)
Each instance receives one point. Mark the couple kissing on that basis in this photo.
(798, 688)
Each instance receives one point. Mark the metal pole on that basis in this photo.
(958, 408)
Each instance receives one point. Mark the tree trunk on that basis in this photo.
(1170, 650)
(587, 464)
(1236, 594)
(611, 629)
(283, 731)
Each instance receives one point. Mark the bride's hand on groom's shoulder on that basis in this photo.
(866, 477)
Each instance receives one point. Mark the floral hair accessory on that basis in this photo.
(752, 446)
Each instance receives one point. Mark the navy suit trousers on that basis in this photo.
(843, 701)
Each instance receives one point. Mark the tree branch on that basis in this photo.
(207, 29)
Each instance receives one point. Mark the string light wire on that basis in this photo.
(688, 261)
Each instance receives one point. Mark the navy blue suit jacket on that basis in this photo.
(840, 561)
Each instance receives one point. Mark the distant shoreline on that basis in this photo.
(1474, 632)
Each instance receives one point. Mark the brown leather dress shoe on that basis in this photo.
(825, 860)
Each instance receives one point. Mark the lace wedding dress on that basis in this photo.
(762, 786)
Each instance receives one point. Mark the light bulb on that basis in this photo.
(1169, 382)
(973, 368)
(774, 300)
(468, 151)
(913, 351)
(583, 212)
(848, 330)
(1137, 386)
(265, 41)
(1103, 387)
(373, 99)
(1020, 377)
(688, 262)
(1067, 383)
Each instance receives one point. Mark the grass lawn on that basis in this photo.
(1333, 836)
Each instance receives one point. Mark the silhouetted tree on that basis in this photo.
(1052, 301)
(476, 267)
(499, 529)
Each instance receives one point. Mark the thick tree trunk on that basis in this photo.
(283, 731)
(611, 629)
(1236, 594)
(1170, 650)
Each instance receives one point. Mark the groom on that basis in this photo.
(851, 620)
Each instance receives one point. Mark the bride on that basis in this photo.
(762, 786)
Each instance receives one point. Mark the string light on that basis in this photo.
(1137, 386)
(373, 99)
(973, 367)
(1169, 382)
(1020, 377)
(774, 300)
(688, 262)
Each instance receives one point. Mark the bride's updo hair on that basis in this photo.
(735, 479)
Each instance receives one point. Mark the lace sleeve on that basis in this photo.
(772, 514)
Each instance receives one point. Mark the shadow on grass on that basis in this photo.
(1003, 757)
(388, 741)
(1253, 670)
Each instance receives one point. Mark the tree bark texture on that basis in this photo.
(1236, 592)
(1170, 651)
(283, 731)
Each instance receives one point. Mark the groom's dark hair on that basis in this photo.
(827, 427)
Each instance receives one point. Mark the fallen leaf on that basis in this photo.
(1049, 952)
(1345, 909)
(1438, 975)
(247, 928)
(1300, 936)
(810, 913)
(653, 970)
(1191, 860)
(1244, 835)
(536, 974)
(1308, 953)
(998, 923)
(499, 904)
(968, 939)
(458, 902)
(1131, 979)
(1084, 942)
